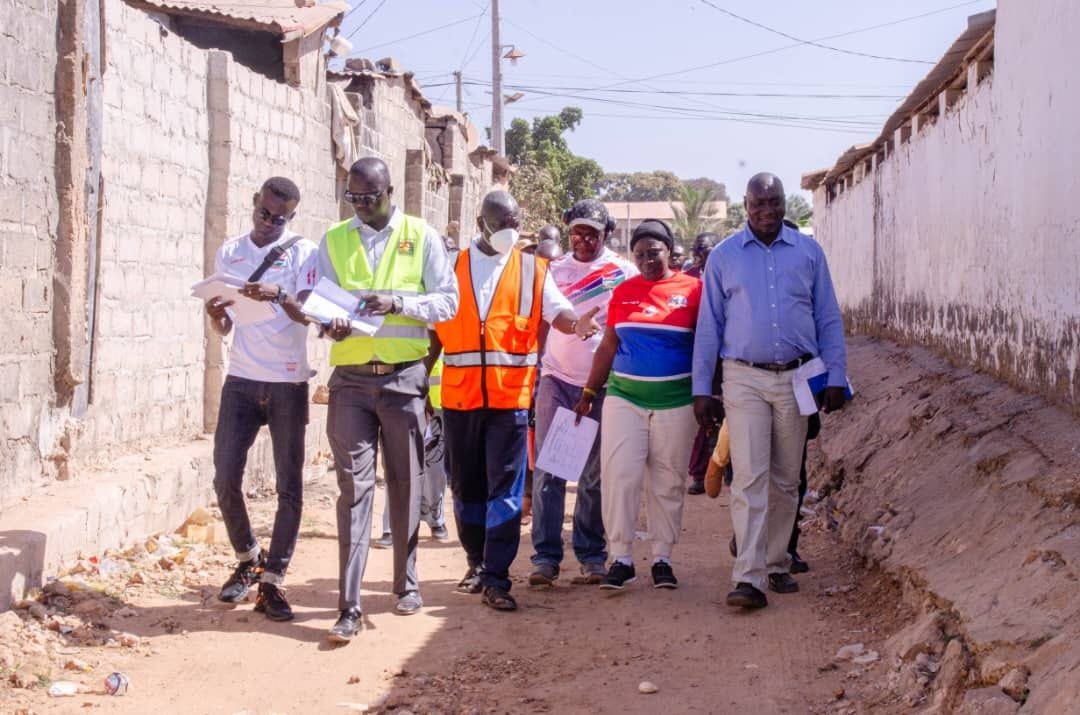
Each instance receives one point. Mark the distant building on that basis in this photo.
(628, 214)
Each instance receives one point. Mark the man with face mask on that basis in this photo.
(586, 276)
(397, 265)
(490, 355)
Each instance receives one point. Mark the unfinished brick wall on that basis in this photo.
(28, 216)
(148, 348)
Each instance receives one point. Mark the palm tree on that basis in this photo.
(696, 215)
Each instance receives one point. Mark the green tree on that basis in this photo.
(639, 186)
(717, 187)
(695, 215)
(549, 176)
(799, 210)
(736, 218)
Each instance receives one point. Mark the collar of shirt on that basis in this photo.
(784, 235)
(367, 231)
(478, 254)
(263, 250)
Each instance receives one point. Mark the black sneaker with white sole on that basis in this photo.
(663, 576)
(245, 576)
(618, 576)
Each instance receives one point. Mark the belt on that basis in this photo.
(776, 366)
(379, 368)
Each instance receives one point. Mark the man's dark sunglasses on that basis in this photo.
(275, 220)
(368, 198)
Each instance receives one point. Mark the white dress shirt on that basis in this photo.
(486, 271)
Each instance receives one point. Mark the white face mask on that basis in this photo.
(504, 240)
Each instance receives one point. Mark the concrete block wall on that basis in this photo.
(391, 123)
(969, 232)
(28, 220)
(148, 348)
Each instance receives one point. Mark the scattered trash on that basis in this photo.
(850, 651)
(117, 684)
(647, 688)
(866, 658)
(63, 689)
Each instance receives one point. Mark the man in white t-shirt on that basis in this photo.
(586, 276)
(266, 385)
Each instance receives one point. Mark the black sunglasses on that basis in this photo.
(275, 220)
(368, 198)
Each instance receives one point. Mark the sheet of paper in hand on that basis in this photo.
(567, 446)
(244, 310)
(329, 300)
(809, 381)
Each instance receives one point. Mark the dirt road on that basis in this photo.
(570, 649)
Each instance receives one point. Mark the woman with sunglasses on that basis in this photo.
(648, 418)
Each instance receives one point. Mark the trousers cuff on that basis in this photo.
(249, 555)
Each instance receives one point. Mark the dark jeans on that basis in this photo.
(549, 493)
(486, 455)
(247, 405)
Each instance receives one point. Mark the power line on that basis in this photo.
(366, 19)
(477, 50)
(420, 34)
(812, 43)
(353, 9)
(472, 37)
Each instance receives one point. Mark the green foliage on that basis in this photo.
(695, 216)
(549, 176)
(736, 219)
(718, 189)
(654, 186)
(799, 210)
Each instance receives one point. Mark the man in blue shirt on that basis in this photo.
(768, 306)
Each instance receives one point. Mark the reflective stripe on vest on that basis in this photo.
(491, 360)
(399, 273)
(476, 359)
(435, 384)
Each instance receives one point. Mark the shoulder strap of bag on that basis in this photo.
(271, 258)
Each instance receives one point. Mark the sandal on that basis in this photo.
(499, 599)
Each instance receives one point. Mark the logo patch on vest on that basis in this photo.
(678, 301)
(406, 247)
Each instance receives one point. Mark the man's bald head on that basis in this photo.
(499, 210)
(549, 233)
(371, 170)
(765, 206)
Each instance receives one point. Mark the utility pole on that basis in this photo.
(497, 136)
(457, 88)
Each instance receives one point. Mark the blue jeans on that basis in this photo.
(247, 405)
(549, 493)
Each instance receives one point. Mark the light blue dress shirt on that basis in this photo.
(768, 304)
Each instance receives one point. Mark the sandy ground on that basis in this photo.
(570, 649)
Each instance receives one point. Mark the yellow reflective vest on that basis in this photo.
(435, 384)
(400, 272)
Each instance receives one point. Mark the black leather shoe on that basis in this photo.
(386, 541)
(409, 603)
(470, 584)
(347, 626)
(733, 547)
(783, 583)
(797, 564)
(242, 579)
(271, 601)
(746, 596)
(696, 487)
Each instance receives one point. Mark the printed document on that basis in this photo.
(567, 446)
(329, 300)
(244, 310)
(809, 380)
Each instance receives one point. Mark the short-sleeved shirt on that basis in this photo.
(587, 286)
(655, 323)
(273, 350)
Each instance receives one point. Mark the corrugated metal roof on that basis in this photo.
(979, 30)
(291, 19)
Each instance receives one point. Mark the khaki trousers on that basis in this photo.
(767, 438)
(641, 447)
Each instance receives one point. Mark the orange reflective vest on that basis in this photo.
(490, 361)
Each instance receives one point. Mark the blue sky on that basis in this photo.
(605, 57)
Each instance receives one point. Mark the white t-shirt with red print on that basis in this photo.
(273, 350)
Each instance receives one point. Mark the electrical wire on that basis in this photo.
(353, 9)
(812, 43)
(366, 19)
(419, 34)
(472, 37)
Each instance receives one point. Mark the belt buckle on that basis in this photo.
(381, 369)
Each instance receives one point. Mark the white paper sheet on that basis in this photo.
(243, 311)
(809, 380)
(329, 300)
(567, 446)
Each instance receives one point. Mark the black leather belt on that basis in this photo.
(380, 368)
(776, 366)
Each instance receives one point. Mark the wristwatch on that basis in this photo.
(281, 296)
(399, 304)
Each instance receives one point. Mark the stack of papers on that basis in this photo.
(567, 445)
(244, 310)
(809, 381)
(329, 300)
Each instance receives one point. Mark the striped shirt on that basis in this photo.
(655, 323)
